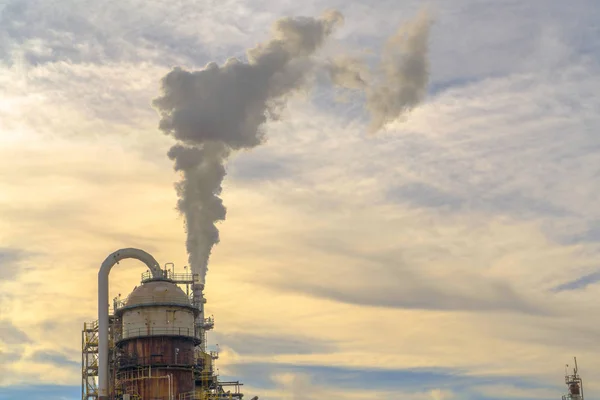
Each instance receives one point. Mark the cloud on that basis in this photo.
(372, 256)
(7, 358)
(11, 262)
(320, 381)
(300, 386)
(438, 394)
(261, 168)
(95, 99)
(11, 335)
(500, 297)
(12, 346)
(419, 194)
(54, 358)
(40, 392)
(84, 32)
(588, 233)
(265, 344)
(512, 391)
(503, 159)
(579, 283)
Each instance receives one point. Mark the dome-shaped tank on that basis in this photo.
(157, 308)
(158, 292)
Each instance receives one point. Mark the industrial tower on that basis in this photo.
(154, 340)
(574, 383)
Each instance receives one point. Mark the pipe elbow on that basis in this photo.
(137, 254)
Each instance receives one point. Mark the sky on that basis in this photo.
(453, 255)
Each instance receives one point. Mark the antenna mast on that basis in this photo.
(574, 383)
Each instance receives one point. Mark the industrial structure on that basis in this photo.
(574, 383)
(152, 344)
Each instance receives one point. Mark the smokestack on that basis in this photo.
(199, 300)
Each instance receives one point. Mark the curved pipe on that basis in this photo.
(105, 268)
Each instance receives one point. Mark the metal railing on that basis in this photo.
(180, 359)
(181, 277)
(207, 377)
(209, 323)
(191, 396)
(199, 395)
(117, 304)
(153, 331)
(150, 300)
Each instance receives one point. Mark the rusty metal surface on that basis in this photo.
(156, 385)
(144, 363)
(173, 351)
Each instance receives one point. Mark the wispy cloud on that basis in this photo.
(579, 283)
(264, 344)
(53, 358)
(11, 262)
(419, 384)
(11, 335)
(40, 392)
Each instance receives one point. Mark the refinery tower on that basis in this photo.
(574, 383)
(152, 344)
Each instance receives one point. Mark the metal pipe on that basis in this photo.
(197, 290)
(198, 301)
(105, 268)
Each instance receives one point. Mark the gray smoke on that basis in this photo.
(219, 109)
(348, 72)
(401, 79)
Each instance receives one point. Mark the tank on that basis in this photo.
(155, 348)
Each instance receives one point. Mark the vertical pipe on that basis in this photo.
(103, 334)
(105, 268)
(83, 356)
(198, 300)
(197, 290)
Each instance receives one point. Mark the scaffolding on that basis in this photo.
(89, 361)
(89, 355)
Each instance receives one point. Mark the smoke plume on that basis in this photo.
(401, 79)
(220, 109)
(405, 70)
